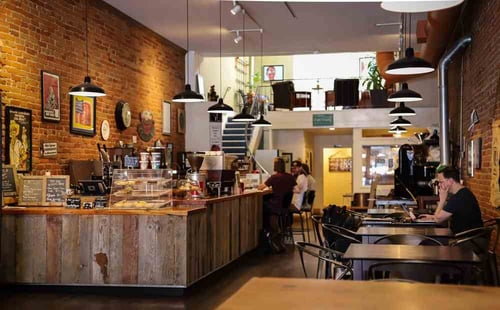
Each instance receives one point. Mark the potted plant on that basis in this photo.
(375, 84)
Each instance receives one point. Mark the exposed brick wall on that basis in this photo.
(127, 59)
(481, 80)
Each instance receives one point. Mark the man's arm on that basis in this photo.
(440, 215)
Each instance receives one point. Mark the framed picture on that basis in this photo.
(478, 145)
(273, 73)
(166, 108)
(18, 138)
(470, 158)
(181, 121)
(288, 158)
(51, 97)
(336, 164)
(82, 115)
(363, 67)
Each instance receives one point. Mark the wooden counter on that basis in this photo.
(170, 247)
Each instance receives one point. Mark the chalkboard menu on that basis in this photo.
(55, 190)
(31, 191)
(9, 188)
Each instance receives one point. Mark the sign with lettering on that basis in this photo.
(55, 190)
(9, 186)
(49, 149)
(73, 202)
(323, 120)
(31, 191)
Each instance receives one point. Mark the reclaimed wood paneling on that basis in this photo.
(85, 237)
(198, 258)
(70, 261)
(31, 255)
(115, 264)
(147, 269)
(54, 248)
(8, 248)
(99, 255)
(235, 229)
(244, 229)
(130, 257)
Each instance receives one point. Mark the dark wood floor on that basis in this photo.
(207, 294)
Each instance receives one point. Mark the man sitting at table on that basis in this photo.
(461, 208)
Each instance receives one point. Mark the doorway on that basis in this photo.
(337, 176)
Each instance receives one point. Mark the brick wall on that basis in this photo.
(480, 85)
(128, 60)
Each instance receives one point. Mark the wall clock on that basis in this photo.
(105, 130)
(123, 116)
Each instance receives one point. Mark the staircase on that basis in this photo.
(234, 140)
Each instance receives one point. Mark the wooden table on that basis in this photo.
(369, 234)
(392, 223)
(288, 293)
(364, 255)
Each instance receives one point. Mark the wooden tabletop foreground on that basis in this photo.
(290, 293)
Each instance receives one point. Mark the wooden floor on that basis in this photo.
(207, 294)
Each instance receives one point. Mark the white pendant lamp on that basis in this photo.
(418, 6)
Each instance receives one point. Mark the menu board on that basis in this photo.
(9, 188)
(31, 191)
(55, 190)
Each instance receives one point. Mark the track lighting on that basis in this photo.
(236, 9)
(238, 37)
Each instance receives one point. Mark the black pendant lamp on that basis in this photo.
(400, 121)
(220, 106)
(402, 110)
(87, 89)
(261, 122)
(409, 64)
(188, 95)
(397, 130)
(405, 95)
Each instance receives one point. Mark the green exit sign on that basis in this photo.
(322, 120)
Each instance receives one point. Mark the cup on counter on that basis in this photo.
(143, 164)
(155, 164)
(144, 156)
(156, 156)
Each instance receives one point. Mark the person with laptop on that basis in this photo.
(461, 208)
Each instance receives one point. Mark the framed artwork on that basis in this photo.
(166, 112)
(82, 115)
(363, 67)
(18, 138)
(470, 158)
(51, 97)
(273, 73)
(478, 145)
(288, 158)
(181, 121)
(340, 164)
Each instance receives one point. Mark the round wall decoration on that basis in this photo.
(105, 130)
(146, 128)
(123, 116)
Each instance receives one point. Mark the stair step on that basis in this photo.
(233, 138)
(235, 125)
(236, 132)
(233, 143)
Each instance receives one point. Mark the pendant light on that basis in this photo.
(87, 89)
(244, 116)
(405, 95)
(400, 121)
(409, 64)
(188, 95)
(402, 110)
(397, 130)
(418, 6)
(220, 106)
(261, 122)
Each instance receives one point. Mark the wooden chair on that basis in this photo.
(335, 269)
(407, 239)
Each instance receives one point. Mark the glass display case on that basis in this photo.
(141, 189)
(379, 160)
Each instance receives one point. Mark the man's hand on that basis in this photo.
(429, 217)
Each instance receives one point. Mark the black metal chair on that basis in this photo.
(409, 239)
(307, 207)
(335, 269)
(492, 257)
(316, 223)
(415, 270)
(336, 239)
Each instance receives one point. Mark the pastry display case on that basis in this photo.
(141, 189)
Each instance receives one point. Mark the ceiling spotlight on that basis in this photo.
(236, 9)
(238, 37)
(331, 128)
(397, 130)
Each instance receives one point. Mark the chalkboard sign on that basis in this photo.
(31, 191)
(55, 190)
(9, 188)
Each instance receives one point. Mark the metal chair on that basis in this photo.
(316, 223)
(409, 239)
(336, 239)
(415, 270)
(492, 257)
(307, 207)
(495, 223)
(329, 257)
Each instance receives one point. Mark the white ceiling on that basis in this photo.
(318, 26)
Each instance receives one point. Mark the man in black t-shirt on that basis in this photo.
(461, 208)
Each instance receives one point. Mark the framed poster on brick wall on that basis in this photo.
(51, 97)
(18, 138)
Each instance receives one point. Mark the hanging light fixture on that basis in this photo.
(405, 95)
(261, 122)
(244, 116)
(238, 37)
(409, 64)
(397, 130)
(402, 110)
(418, 6)
(236, 8)
(400, 121)
(188, 95)
(87, 89)
(220, 106)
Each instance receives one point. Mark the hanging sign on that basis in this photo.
(323, 120)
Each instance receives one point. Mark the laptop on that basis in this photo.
(413, 217)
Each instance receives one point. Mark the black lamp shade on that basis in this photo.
(409, 65)
(87, 89)
(188, 96)
(244, 116)
(400, 121)
(261, 122)
(405, 95)
(220, 107)
(402, 110)
(397, 129)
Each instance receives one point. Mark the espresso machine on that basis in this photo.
(195, 177)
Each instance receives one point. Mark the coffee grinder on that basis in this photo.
(195, 177)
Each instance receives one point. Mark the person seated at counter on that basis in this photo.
(299, 189)
(462, 208)
(281, 183)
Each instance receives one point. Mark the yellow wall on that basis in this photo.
(336, 184)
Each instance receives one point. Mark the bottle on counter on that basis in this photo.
(236, 185)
